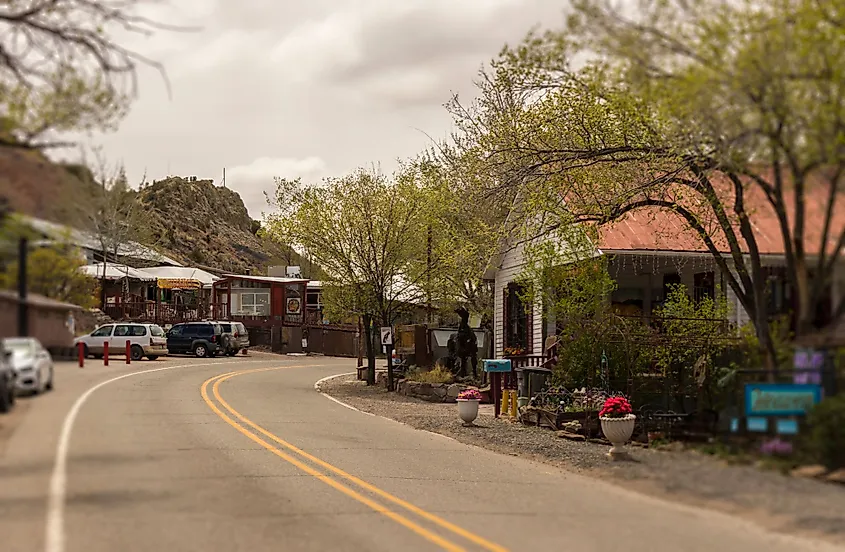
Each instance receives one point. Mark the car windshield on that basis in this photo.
(156, 331)
(19, 347)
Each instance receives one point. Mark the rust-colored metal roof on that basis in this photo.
(654, 229)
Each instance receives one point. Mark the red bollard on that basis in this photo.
(128, 351)
(81, 348)
(106, 353)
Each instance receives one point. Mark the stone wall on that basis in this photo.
(431, 392)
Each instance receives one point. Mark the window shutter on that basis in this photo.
(529, 328)
(505, 321)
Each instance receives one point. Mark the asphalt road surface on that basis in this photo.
(243, 454)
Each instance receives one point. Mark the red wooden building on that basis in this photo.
(259, 300)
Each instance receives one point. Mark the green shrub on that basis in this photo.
(826, 437)
(438, 374)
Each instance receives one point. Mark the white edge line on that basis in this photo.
(319, 382)
(55, 527)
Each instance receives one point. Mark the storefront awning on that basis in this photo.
(178, 283)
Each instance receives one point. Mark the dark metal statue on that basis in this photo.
(463, 346)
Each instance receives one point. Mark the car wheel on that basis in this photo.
(136, 352)
(6, 398)
(49, 386)
(201, 351)
(152, 357)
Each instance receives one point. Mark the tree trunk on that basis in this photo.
(103, 287)
(371, 354)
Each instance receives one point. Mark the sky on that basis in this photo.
(287, 88)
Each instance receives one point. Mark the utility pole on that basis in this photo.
(224, 177)
(23, 304)
(428, 277)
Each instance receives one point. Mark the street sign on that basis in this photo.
(387, 336)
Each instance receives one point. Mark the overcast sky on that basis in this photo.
(307, 88)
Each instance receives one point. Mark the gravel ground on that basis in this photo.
(779, 502)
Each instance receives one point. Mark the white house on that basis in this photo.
(648, 251)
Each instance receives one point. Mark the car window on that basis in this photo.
(216, 329)
(205, 330)
(226, 328)
(139, 331)
(176, 331)
(122, 330)
(156, 331)
(105, 331)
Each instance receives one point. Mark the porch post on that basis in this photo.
(228, 298)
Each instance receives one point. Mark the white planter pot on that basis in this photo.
(618, 431)
(468, 410)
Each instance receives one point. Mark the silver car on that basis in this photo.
(145, 340)
(32, 364)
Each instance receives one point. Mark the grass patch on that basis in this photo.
(435, 375)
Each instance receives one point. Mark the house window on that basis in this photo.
(255, 304)
(704, 285)
(517, 319)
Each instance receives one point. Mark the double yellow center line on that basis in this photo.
(252, 430)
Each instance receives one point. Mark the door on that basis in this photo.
(176, 340)
(277, 308)
(117, 343)
(97, 338)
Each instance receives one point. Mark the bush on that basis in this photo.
(438, 374)
(826, 437)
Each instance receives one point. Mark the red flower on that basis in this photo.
(616, 407)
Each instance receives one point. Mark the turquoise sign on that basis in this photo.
(776, 399)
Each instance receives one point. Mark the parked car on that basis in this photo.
(203, 339)
(32, 363)
(7, 381)
(145, 340)
(239, 340)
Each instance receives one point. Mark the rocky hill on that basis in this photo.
(208, 225)
(34, 185)
(196, 222)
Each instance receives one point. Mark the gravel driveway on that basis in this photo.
(779, 502)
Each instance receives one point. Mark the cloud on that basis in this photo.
(405, 53)
(253, 180)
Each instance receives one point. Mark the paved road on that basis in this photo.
(243, 454)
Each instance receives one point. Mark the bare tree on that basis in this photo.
(61, 68)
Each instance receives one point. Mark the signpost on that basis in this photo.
(387, 342)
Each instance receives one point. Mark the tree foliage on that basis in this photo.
(61, 69)
(54, 272)
(710, 110)
(366, 230)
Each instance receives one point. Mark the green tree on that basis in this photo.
(61, 70)
(54, 273)
(709, 110)
(461, 238)
(367, 232)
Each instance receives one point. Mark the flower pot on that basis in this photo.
(468, 410)
(618, 431)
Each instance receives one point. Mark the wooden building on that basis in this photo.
(260, 301)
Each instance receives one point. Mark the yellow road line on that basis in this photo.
(472, 537)
(423, 532)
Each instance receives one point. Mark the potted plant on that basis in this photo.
(617, 423)
(468, 405)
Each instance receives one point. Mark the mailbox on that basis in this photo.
(497, 365)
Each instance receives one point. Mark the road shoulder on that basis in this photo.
(777, 502)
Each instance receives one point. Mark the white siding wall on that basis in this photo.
(512, 263)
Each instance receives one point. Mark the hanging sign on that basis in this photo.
(178, 283)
